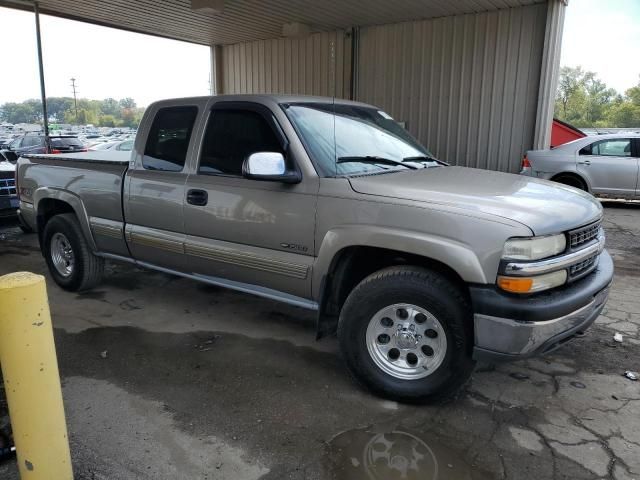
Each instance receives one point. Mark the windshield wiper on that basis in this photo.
(374, 159)
(419, 158)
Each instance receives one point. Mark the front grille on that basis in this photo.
(7, 187)
(580, 269)
(583, 235)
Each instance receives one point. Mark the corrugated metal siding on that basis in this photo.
(319, 64)
(248, 20)
(467, 86)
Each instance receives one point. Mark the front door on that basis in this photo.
(610, 166)
(259, 233)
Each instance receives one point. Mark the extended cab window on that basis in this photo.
(609, 148)
(233, 135)
(168, 139)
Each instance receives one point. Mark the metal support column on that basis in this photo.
(216, 69)
(549, 72)
(43, 94)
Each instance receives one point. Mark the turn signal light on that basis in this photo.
(537, 283)
(515, 285)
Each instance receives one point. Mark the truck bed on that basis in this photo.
(94, 177)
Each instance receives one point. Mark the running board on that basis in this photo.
(222, 282)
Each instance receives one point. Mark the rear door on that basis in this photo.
(155, 188)
(260, 233)
(610, 166)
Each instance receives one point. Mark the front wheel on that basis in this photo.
(405, 333)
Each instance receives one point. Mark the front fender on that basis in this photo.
(43, 193)
(452, 253)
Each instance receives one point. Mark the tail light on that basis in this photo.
(53, 150)
(525, 162)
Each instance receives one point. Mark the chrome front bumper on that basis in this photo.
(529, 332)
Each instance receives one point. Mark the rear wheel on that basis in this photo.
(70, 261)
(405, 333)
(572, 181)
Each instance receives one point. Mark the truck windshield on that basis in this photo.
(359, 136)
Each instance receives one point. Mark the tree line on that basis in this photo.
(582, 99)
(585, 101)
(104, 113)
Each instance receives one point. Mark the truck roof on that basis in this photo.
(264, 98)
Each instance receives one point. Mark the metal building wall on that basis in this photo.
(319, 64)
(466, 86)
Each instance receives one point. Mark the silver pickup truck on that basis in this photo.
(420, 268)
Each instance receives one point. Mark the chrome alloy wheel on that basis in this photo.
(62, 254)
(406, 341)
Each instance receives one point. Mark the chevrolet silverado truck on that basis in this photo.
(420, 268)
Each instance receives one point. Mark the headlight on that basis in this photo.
(534, 248)
(532, 284)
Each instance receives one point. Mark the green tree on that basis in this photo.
(110, 106)
(107, 121)
(29, 111)
(128, 103)
(56, 106)
(585, 101)
(569, 87)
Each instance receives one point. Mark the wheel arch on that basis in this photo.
(49, 202)
(349, 264)
(572, 174)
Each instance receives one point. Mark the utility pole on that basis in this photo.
(75, 100)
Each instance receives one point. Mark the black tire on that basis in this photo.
(430, 291)
(87, 269)
(571, 181)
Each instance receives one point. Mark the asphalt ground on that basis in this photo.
(164, 378)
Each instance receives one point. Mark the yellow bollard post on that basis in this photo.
(31, 379)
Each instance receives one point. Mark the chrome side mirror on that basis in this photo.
(269, 166)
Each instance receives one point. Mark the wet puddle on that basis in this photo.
(394, 453)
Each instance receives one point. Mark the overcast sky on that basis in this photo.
(602, 36)
(105, 62)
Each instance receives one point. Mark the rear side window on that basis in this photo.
(168, 139)
(233, 135)
(609, 148)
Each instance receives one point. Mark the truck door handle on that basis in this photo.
(585, 162)
(197, 197)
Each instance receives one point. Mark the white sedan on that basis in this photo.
(604, 165)
(126, 146)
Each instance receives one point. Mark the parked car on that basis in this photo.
(8, 194)
(36, 144)
(121, 145)
(420, 268)
(4, 142)
(604, 165)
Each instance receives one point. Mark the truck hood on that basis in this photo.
(545, 207)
